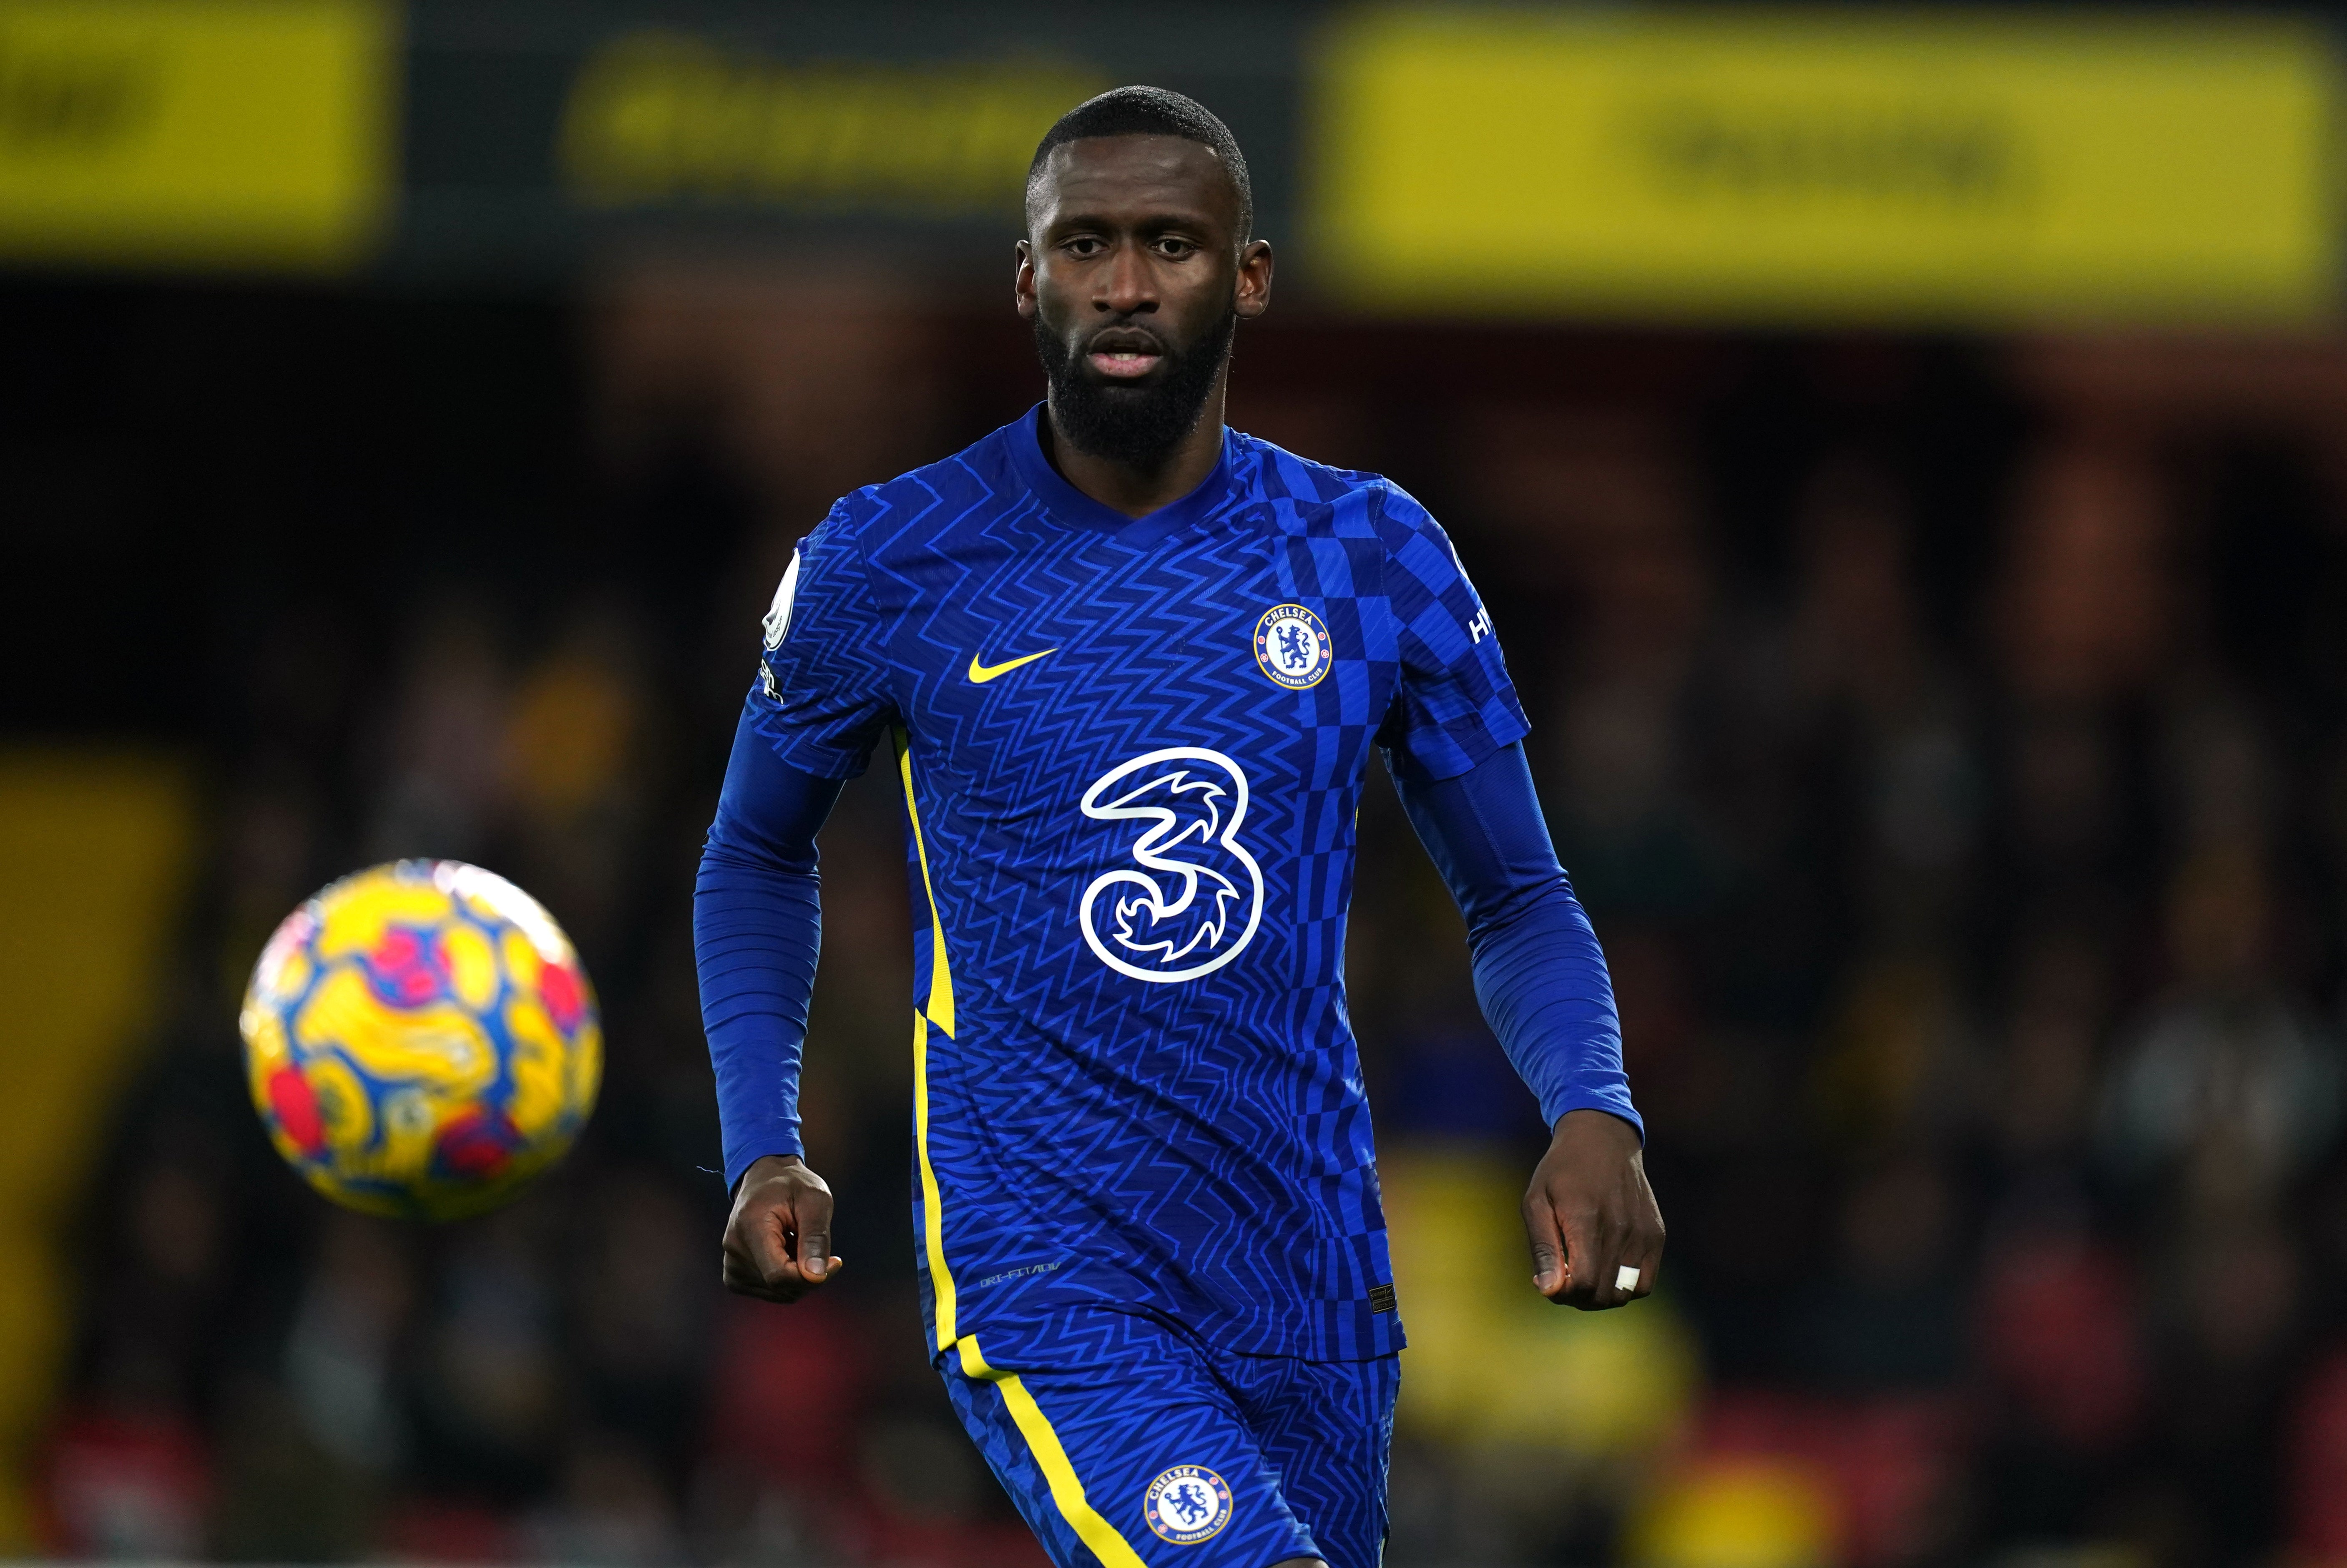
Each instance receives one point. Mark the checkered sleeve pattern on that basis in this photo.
(824, 694)
(1454, 705)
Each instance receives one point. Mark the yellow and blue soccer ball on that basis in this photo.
(420, 1040)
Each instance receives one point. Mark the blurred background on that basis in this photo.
(1905, 452)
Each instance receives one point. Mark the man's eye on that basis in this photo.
(1085, 246)
(1176, 247)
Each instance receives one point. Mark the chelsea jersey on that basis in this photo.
(1131, 753)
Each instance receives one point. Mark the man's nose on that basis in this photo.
(1127, 286)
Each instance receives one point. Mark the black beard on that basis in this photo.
(1135, 425)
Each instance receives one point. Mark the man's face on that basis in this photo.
(1134, 280)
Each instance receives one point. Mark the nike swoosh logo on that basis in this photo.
(979, 674)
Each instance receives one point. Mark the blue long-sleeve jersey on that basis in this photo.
(1131, 753)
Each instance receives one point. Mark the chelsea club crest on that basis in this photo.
(1292, 647)
(1187, 1504)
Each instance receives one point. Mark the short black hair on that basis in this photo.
(1152, 111)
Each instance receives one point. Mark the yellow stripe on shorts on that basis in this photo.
(1067, 1489)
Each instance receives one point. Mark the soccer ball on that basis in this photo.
(420, 1040)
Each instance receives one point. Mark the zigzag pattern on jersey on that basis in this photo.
(1089, 1135)
(1250, 1088)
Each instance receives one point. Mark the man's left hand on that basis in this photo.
(1589, 1213)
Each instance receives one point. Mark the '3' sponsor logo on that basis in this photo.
(1192, 897)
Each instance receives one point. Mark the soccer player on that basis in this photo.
(1132, 666)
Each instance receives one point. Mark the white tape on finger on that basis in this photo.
(1626, 1278)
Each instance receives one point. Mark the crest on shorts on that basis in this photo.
(1187, 1504)
(1292, 647)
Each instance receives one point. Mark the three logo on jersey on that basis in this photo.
(1171, 919)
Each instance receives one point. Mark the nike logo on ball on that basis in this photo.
(979, 674)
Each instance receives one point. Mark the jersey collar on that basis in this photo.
(1072, 506)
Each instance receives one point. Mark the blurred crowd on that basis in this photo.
(1948, 740)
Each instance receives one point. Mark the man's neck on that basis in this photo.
(1137, 492)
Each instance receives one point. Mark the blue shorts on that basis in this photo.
(1126, 1442)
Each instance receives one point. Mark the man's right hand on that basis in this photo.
(778, 1241)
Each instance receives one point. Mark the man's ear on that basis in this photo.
(1251, 291)
(1022, 280)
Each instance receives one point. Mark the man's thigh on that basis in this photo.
(1122, 1448)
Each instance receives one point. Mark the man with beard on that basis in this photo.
(1134, 665)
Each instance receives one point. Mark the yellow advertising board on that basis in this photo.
(660, 117)
(208, 132)
(1816, 166)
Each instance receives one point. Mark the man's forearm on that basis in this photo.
(1544, 989)
(757, 926)
(1540, 974)
(755, 934)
